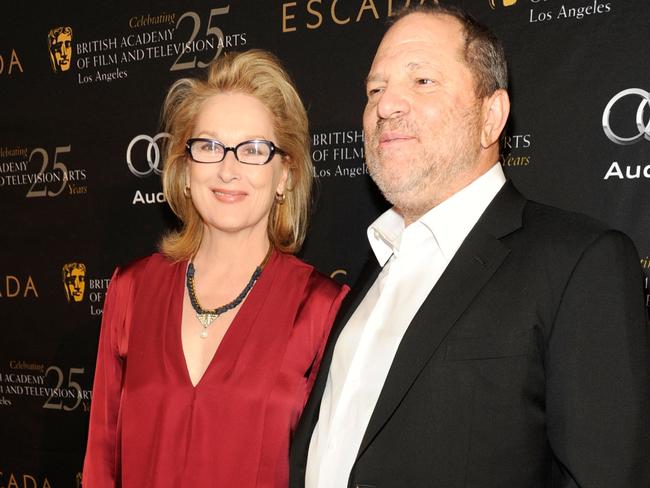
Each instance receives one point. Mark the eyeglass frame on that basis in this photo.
(274, 149)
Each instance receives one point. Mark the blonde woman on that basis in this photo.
(209, 349)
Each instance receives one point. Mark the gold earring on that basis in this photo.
(280, 198)
(186, 191)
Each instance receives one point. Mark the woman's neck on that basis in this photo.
(223, 253)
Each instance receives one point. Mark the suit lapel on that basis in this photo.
(475, 262)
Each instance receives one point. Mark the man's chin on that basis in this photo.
(395, 195)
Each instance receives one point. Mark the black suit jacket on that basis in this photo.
(527, 366)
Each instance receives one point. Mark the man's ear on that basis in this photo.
(496, 108)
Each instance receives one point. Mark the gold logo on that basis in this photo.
(13, 287)
(349, 11)
(59, 41)
(77, 480)
(337, 272)
(13, 61)
(74, 281)
(505, 3)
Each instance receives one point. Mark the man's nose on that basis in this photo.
(392, 103)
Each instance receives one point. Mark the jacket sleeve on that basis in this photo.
(101, 465)
(597, 363)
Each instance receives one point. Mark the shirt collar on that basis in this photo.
(449, 222)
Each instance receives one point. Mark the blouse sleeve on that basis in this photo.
(101, 466)
(336, 293)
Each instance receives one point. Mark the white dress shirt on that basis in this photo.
(413, 259)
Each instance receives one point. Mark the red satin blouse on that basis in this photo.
(149, 427)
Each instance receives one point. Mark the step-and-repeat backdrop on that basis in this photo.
(80, 93)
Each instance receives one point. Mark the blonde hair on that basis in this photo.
(260, 74)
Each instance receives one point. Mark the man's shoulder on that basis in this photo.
(564, 231)
(555, 219)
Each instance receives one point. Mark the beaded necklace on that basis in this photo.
(206, 317)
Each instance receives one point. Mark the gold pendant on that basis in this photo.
(206, 318)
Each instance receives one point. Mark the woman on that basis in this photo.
(209, 349)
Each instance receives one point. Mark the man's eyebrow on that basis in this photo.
(414, 65)
(411, 66)
(374, 77)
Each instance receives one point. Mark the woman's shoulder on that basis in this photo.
(317, 300)
(132, 272)
(316, 282)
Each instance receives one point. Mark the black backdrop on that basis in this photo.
(79, 158)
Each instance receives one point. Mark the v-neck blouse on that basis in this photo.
(149, 426)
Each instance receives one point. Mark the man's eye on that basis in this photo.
(374, 91)
(424, 81)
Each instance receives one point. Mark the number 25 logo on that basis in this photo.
(44, 178)
(210, 31)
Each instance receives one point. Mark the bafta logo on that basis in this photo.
(505, 3)
(77, 481)
(59, 41)
(74, 281)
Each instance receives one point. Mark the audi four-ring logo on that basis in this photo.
(643, 127)
(153, 162)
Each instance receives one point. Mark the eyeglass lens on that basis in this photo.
(249, 152)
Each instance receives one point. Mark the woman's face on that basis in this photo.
(231, 196)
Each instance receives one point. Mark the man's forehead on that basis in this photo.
(419, 40)
(440, 30)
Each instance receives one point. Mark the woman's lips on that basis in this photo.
(228, 196)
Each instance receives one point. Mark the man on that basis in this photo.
(498, 343)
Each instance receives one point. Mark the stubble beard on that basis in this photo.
(421, 181)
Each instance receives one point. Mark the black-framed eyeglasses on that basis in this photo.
(255, 151)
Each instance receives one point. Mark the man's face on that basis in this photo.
(61, 50)
(422, 119)
(75, 280)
